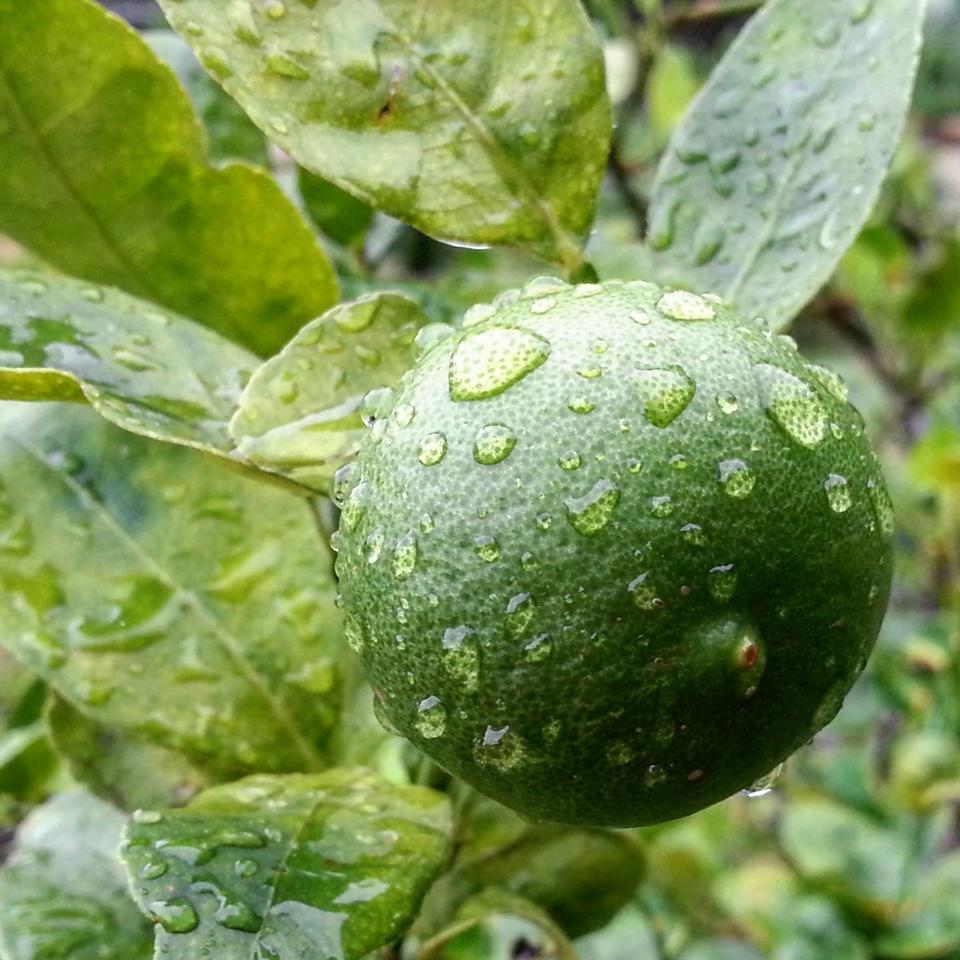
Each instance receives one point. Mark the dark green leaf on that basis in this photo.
(482, 123)
(300, 413)
(27, 762)
(127, 771)
(340, 215)
(163, 596)
(145, 369)
(104, 173)
(775, 167)
(326, 867)
(63, 895)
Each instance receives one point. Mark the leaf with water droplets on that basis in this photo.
(164, 598)
(332, 865)
(300, 415)
(62, 890)
(789, 140)
(104, 173)
(482, 124)
(143, 368)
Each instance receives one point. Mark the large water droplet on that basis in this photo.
(175, 915)
(486, 548)
(494, 443)
(432, 449)
(485, 363)
(666, 393)
(763, 786)
(838, 493)
(661, 506)
(737, 478)
(520, 611)
(682, 305)
(590, 513)
(791, 404)
(431, 718)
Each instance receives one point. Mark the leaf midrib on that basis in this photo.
(229, 644)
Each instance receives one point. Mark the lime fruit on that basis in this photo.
(610, 552)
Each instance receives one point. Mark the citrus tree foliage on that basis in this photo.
(272, 294)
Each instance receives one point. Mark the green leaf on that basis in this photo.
(63, 895)
(231, 133)
(340, 215)
(125, 770)
(323, 867)
(165, 597)
(145, 369)
(104, 173)
(300, 413)
(845, 854)
(484, 124)
(27, 762)
(775, 167)
(497, 925)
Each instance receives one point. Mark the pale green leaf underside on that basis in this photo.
(165, 597)
(327, 867)
(777, 164)
(300, 414)
(482, 123)
(63, 892)
(141, 367)
(104, 173)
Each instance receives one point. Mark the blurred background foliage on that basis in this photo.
(855, 851)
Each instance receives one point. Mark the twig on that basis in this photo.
(702, 10)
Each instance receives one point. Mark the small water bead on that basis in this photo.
(737, 478)
(373, 545)
(453, 637)
(722, 582)
(275, 9)
(431, 718)
(405, 556)
(633, 465)
(543, 305)
(591, 372)
(544, 521)
(619, 753)
(479, 313)
(683, 305)
(500, 748)
(542, 286)
(640, 316)
(404, 414)
(679, 462)
(666, 393)
(838, 493)
(654, 775)
(344, 480)
(882, 506)
(432, 449)
(571, 460)
(147, 817)
(600, 345)
(175, 915)
(494, 443)
(353, 634)
(486, 548)
(487, 362)
(427, 523)
(645, 595)
(727, 403)
(831, 381)
(584, 290)
(520, 611)
(791, 404)
(590, 513)
(581, 405)
(376, 405)
(153, 870)
(661, 506)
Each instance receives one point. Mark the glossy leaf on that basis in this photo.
(27, 762)
(778, 162)
(329, 867)
(231, 133)
(143, 368)
(165, 597)
(481, 123)
(123, 769)
(300, 413)
(63, 893)
(104, 173)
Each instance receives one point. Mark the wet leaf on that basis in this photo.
(778, 162)
(483, 124)
(326, 866)
(300, 413)
(497, 925)
(231, 133)
(165, 597)
(143, 368)
(104, 173)
(63, 893)
(124, 770)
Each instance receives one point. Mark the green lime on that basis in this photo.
(623, 552)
